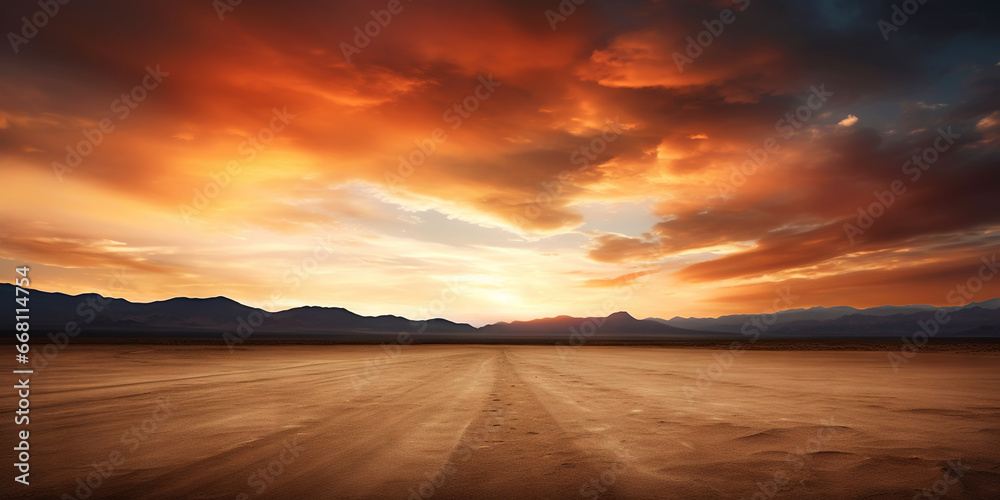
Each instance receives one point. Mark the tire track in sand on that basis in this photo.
(515, 449)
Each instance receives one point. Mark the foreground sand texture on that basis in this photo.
(509, 422)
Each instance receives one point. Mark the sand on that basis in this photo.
(303, 422)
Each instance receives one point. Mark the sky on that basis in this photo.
(500, 160)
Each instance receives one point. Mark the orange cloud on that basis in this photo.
(422, 173)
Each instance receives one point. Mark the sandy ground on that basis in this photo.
(303, 422)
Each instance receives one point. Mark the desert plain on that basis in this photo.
(491, 421)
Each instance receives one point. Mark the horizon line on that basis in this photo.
(959, 306)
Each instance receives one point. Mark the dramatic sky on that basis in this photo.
(599, 170)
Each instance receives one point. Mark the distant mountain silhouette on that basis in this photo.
(217, 314)
(621, 322)
(964, 321)
(183, 317)
(315, 318)
(56, 309)
(834, 318)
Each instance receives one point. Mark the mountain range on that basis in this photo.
(187, 318)
(844, 320)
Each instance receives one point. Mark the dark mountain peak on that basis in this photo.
(196, 300)
(621, 316)
(317, 308)
(441, 324)
(317, 312)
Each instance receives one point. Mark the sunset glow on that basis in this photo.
(483, 161)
